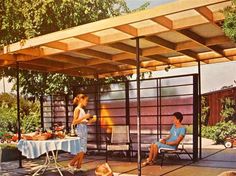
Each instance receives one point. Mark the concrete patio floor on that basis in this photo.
(214, 162)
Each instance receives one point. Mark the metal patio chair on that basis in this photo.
(178, 151)
(119, 141)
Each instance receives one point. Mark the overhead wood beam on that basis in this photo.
(57, 45)
(217, 40)
(206, 13)
(160, 58)
(90, 38)
(122, 56)
(128, 29)
(25, 65)
(67, 59)
(196, 38)
(9, 57)
(96, 54)
(4, 63)
(161, 42)
(169, 45)
(123, 47)
(164, 21)
(193, 36)
(49, 63)
(155, 50)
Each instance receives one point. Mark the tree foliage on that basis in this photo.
(227, 109)
(24, 19)
(229, 25)
(29, 112)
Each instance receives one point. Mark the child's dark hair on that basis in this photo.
(178, 116)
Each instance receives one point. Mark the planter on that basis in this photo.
(8, 153)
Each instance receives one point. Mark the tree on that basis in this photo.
(24, 19)
(229, 25)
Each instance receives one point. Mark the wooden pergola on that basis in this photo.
(179, 34)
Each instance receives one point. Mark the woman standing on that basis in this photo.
(80, 119)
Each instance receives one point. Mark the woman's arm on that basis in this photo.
(165, 139)
(176, 142)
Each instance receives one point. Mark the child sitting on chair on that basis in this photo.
(177, 133)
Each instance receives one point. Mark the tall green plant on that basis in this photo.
(204, 111)
(227, 109)
(29, 112)
(229, 25)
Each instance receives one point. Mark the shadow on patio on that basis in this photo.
(213, 163)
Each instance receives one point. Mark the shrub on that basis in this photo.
(227, 109)
(29, 112)
(204, 111)
(220, 131)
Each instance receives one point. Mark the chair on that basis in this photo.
(179, 150)
(119, 141)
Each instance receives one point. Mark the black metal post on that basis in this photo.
(67, 112)
(200, 109)
(138, 106)
(18, 109)
(160, 113)
(158, 132)
(41, 111)
(195, 117)
(97, 112)
(127, 111)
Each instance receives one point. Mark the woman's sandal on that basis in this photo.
(152, 163)
(145, 163)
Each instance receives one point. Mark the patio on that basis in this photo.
(214, 162)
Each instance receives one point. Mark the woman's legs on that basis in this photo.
(152, 154)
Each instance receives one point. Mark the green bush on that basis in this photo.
(227, 109)
(29, 113)
(205, 109)
(220, 131)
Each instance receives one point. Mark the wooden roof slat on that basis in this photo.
(128, 29)
(201, 41)
(166, 9)
(67, 59)
(108, 46)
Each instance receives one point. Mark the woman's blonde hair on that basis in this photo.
(78, 98)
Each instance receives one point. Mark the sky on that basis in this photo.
(213, 76)
(136, 3)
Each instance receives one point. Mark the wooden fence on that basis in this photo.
(214, 102)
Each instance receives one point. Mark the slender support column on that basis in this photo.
(41, 111)
(138, 106)
(195, 117)
(97, 112)
(67, 112)
(127, 109)
(200, 109)
(18, 109)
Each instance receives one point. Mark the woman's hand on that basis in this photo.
(163, 141)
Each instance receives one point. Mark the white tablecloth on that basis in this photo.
(33, 149)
